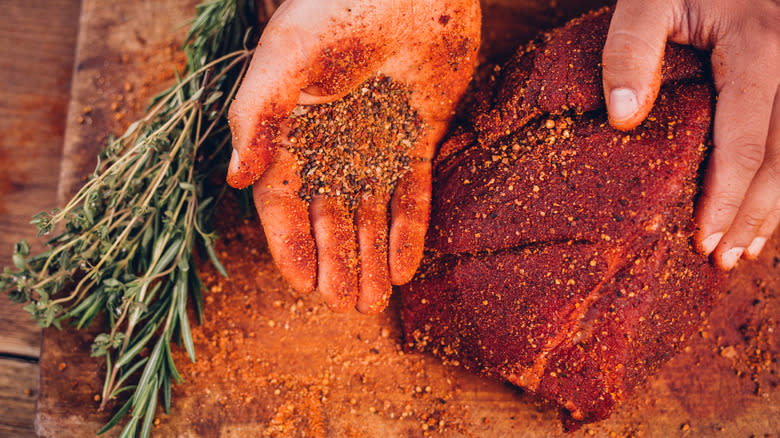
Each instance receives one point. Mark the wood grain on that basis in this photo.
(37, 45)
(18, 391)
(126, 53)
(37, 42)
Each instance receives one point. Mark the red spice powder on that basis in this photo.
(271, 363)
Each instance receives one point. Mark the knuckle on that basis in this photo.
(700, 24)
(726, 205)
(269, 198)
(627, 50)
(763, 26)
(748, 155)
(751, 220)
(265, 192)
(772, 167)
(770, 26)
(412, 202)
(774, 214)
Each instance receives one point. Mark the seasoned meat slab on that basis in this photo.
(559, 251)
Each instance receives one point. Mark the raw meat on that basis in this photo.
(560, 250)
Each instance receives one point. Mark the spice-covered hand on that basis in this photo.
(740, 203)
(315, 51)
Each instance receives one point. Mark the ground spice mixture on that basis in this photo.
(357, 145)
(273, 364)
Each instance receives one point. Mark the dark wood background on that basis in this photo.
(37, 48)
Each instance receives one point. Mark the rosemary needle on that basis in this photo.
(130, 233)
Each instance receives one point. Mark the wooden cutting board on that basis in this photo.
(271, 363)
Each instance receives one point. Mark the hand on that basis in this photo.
(740, 203)
(315, 51)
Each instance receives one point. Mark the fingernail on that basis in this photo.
(622, 104)
(235, 162)
(755, 246)
(729, 258)
(709, 244)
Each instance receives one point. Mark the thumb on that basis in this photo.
(271, 87)
(632, 59)
(267, 95)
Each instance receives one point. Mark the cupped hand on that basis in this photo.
(315, 51)
(740, 203)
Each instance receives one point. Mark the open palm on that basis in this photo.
(313, 52)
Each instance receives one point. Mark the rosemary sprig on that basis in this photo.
(130, 233)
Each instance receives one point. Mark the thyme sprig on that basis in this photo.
(126, 252)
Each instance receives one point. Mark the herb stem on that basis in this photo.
(126, 240)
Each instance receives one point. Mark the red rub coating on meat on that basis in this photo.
(559, 251)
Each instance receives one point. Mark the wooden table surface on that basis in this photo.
(37, 44)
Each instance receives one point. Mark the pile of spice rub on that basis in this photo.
(356, 145)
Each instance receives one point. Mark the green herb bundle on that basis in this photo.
(126, 252)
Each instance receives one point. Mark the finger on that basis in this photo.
(285, 219)
(411, 206)
(410, 212)
(267, 95)
(632, 59)
(765, 232)
(742, 117)
(334, 232)
(758, 216)
(759, 202)
(371, 221)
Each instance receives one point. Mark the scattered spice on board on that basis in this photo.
(312, 373)
(357, 145)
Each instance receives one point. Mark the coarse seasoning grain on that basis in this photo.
(358, 145)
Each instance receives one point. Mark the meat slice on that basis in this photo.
(559, 252)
